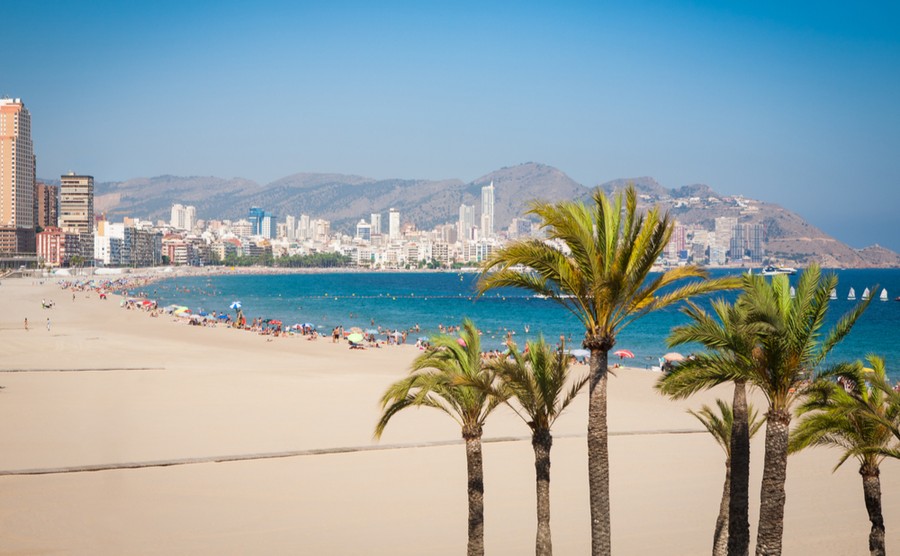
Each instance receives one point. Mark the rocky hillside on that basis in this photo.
(790, 239)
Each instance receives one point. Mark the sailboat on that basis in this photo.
(865, 294)
(833, 294)
(793, 292)
(883, 296)
(852, 295)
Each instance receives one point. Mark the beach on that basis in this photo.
(126, 434)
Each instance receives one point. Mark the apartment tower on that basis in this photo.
(487, 211)
(16, 178)
(394, 224)
(46, 202)
(76, 210)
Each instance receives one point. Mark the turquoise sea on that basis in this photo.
(402, 300)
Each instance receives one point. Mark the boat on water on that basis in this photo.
(865, 294)
(852, 295)
(775, 270)
(833, 294)
(793, 292)
(883, 296)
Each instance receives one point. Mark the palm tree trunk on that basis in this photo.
(598, 455)
(772, 497)
(541, 441)
(739, 491)
(872, 492)
(475, 469)
(720, 538)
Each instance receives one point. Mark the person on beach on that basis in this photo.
(26, 324)
(48, 324)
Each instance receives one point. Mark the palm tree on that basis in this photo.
(537, 380)
(892, 399)
(789, 352)
(854, 421)
(596, 264)
(720, 426)
(730, 340)
(449, 377)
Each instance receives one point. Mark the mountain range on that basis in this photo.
(345, 199)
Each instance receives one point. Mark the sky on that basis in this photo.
(796, 103)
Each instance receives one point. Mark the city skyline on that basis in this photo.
(790, 104)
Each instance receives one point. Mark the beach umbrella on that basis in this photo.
(356, 338)
(371, 331)
(579, 353)
(235, 305)
(624, 354)
(223, 317)
(308, 325)
(461, 342)
(673, 357)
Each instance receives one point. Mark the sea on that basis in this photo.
(388, 301)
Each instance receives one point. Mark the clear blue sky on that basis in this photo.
(795, 103)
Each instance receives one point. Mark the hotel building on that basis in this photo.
(76, 210)
(16, 178)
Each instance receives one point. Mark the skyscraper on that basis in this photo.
(255, 216)
(487, 211)
(376, 223)
(290, 224)
(76, 210)
(190, 217)
(466, 222)
(176, 220)
(16, 178)
(394, 224)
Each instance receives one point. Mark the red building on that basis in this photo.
(56, 247)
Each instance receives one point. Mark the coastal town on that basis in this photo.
(50, 226)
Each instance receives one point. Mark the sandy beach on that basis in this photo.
(126, 434)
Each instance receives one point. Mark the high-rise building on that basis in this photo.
(375, 222)
(724, 232)
(487, 211)
(76, 210)
(255, 216)
(190, 217)
(303, 231)
(394, 224)
(17, 163)
(466, 222)
(262, 223)
(363, 231)
(176, 220)
(46, 201)
(290, 226)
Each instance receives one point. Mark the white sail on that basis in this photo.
(833, 294)
(852, 295)
(883, 296)
(793, 292)
(865, 294)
